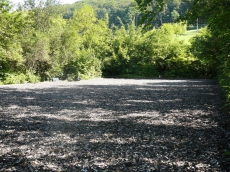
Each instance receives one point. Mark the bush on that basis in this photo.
(31, 78)
(150, 54)
(15, 78)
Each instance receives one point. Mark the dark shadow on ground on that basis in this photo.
(163, 126)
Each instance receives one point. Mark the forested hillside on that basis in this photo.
(126, 11)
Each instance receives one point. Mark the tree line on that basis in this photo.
(38, 42)
(93, 38)
(126, 11)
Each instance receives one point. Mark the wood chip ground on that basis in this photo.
(113, 125)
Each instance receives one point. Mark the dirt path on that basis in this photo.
(113, 125)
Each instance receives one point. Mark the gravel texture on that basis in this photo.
(113, 125)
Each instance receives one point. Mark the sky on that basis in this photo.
(62, 1)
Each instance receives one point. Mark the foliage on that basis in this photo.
(150, 10)
(118, 11)
(20, 78)
(55, 34)
(11, 28)
(204, 48)
(12, 25)
(175, 15)
(32, 78)
(157, 12)
(85, 66)
(212, 47)
(10, 61)
(86, 45)
(150, 54)
(15, 79)
(125, 12)
(173, 29)
(36, 53)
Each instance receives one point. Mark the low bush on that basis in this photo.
(32, 78)
(20, 78)
(13, 78)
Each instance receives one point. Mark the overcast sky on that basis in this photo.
(62, 1)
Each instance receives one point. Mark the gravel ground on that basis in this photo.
(113, 125)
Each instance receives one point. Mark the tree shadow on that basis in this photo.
(158, 126)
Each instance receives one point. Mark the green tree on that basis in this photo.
(55, 33)
(157, 12)
(12, 25)
(150, 9)
(212, 47)
(36, 53)
(42, 12)
(174, 15)
(41, 43)
(148, 54)
(85, 37)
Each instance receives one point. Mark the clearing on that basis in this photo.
(113, 125)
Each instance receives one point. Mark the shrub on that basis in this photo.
(20, 78)
(32, 78)
(15, 78)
